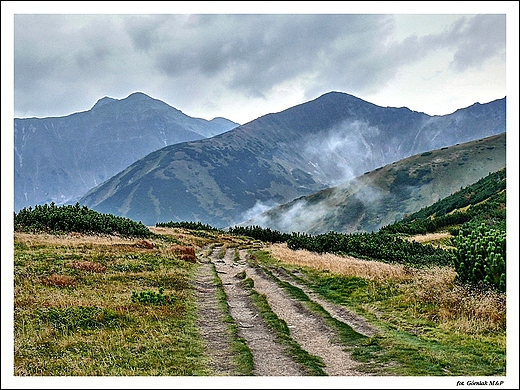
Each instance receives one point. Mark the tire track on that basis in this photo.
(307, 328)
(269, 357)
(210, 322)
(356, 322)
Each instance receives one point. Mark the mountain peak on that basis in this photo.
(103, 101)
(138, 95)
(135, 96)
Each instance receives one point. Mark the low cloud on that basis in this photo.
(304, 215)
(338, 154)
(298, 217)
(256, 210)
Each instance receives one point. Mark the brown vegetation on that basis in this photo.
(58, 280)
(457, 307)
(343, 265)
(88, 266)
(144, 244)
(454, 306)
(186, 253)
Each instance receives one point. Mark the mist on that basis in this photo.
(335, 157)
(339, 153)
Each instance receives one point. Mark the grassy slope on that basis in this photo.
(80, 320)
(388, 193)
(430, 325)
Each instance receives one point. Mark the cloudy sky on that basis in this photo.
(234, 62)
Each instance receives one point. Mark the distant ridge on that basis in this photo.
(58, 159)
(384, 195)
(281, 156)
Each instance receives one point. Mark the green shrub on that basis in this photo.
(187, 225)
(481, 257)
(81, 318)
(152, 297)
(75, 218)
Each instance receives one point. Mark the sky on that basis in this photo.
(242, 60)
(241, 65)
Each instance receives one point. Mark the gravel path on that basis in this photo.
(307, 329)
(341, 313)
(211, 322)
(269, 357)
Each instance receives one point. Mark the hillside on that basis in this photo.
(58, 159)
(276, 158)
(181, 302)
(480, 202)
(386, 194)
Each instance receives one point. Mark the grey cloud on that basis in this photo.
(333, 152)
(256, 52)
(478, 39)
(250, 54)
(38, 69)
(473, 39)
(143, 30)
(62, 60)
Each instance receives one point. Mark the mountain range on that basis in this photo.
(272, 160)
(58, 159)
(385, 195)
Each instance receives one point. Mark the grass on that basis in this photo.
(430, 325)
(74, 316)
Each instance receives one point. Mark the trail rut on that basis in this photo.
(270, 357)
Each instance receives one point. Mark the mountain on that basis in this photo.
(278, 157)
(58, 159)
(384, 195)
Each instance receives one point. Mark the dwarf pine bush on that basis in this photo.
(481, 257)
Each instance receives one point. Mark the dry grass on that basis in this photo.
(144, 244)
(186, 253)
(138, 338)
(458, 308)
(442, 239)
(430, 237)
(71, 239)
(184, 236)
(454, 307)
(88, 266)
(58, 280)
(347, 266)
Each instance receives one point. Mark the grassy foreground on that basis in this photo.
(74, 313)
(430, 326)
(109, 306)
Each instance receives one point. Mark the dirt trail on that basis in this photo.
(356, 322)
(211, 323)
(307, 328)
(268, 356)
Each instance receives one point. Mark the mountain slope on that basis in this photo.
(282, 156)
(386, 194)
(480, 202)
(59, 159)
